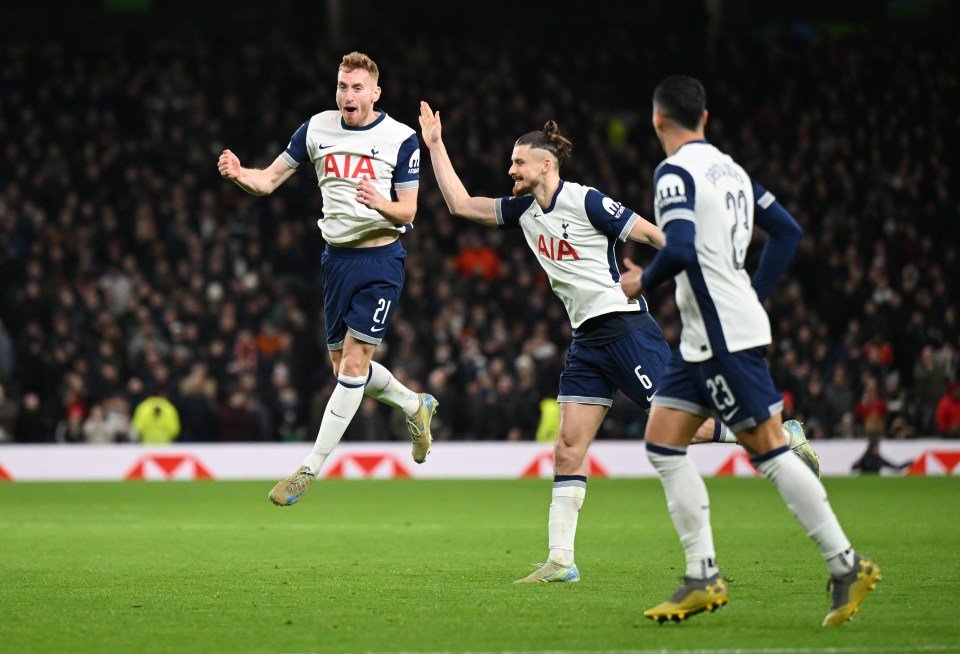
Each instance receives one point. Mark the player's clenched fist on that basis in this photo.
(229, 165)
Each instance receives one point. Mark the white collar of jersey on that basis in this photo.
(700, 141)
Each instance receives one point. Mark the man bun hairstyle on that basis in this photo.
(359, 61)
(682, 100)
(549, 139)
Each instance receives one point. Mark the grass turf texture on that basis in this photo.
(391, 566)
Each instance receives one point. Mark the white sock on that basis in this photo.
(568, 494)
(341, 407)
(807, 499)
(383, 386)
(689, 507)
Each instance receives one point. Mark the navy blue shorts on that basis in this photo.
(735, 388)
(361, 288)
(633, 364)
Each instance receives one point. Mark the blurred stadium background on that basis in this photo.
(130, 271)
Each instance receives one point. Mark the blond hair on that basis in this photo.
(359, 61)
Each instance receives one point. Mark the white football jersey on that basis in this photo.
(718, 306)
(385, 151)
(574, 240)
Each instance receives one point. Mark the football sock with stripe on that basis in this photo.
(807, 499)
(341, 407)
(568, 494)
(722, 433)
(383, 386)
(689, 507)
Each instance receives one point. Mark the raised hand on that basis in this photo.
(430, 125)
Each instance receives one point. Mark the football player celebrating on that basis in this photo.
(368, 169)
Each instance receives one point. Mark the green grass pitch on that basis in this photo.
(427, 566)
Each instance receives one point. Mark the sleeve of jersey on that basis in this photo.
(510, 209)
(296, 152)
(680, 250)
(675, 194)
(785, 235)
(608, 216)
(406, 174)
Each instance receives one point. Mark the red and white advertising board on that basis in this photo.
(451, 460)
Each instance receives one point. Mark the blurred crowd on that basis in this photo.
(142, 297)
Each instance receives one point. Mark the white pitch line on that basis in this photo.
(736, 650)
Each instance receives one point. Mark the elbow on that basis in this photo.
(685, 254)
(456, 208)
(795, 231)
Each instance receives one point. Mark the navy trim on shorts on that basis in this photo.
(359, 253)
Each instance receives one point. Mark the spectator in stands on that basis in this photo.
(34, 424)
(9, 412)
(839, 400)
(7, 355)
(70, 428)
(156, 421)
(476, 258)
(195, 401)
(871, 410)
(814, 410)
(96, 428)
(237, 418)
(929, 385)
(948, 411)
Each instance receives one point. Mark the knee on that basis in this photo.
(567, 454)
(353, 366)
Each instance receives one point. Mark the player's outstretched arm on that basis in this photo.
(459, 201)
(644, 231)
(253, 180)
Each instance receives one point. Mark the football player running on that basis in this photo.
(707, 206)
(617, 344)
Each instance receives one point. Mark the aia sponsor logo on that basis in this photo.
(345, 165)
(368, 466)
(168, 466)
(542, 467)
(556, 249)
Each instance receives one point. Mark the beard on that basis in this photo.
(521, 187)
